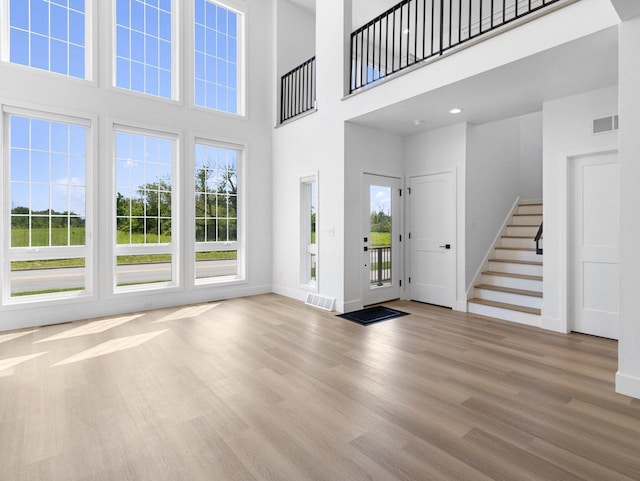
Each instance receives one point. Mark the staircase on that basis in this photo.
(511, 286)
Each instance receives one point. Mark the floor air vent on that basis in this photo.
(605, 124)
(326, 303)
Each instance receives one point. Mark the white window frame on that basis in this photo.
(90, 44)
(241, 9)
(175, 56)
(172, 248)
(306, 247)
(12, 254)
(239, 244)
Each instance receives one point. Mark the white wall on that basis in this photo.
(492, 186)
(296, 36)
(436, 151)
(539, 35)
(44, 91)
(628, 377)
(567, 132)
(308, 145)
(531, 156)
(368, 151)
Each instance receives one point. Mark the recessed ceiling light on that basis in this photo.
(418, 122)
(406, 31)
(455, 111)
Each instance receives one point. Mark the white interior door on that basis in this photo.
(381, 253)
(432, 228)
(594, 218)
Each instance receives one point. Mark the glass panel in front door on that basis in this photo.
(380, 236)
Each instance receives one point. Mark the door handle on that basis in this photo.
(366, 248)
(446, 246)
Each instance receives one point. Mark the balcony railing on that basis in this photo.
(298, 90)
(417, 30)
(380, 262)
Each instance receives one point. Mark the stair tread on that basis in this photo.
(510, 290)
(515, 261)
(504, 305)
(516, 276)
(523, 225)
(518, 237)
(529, 249)
(526, 205)
(525, 215)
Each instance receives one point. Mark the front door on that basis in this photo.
(594, 247)
(432, 228)
(381, 234)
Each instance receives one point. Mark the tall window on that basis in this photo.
(309, 224)
(48, 35)
(217, 54)
(46, 185)
(143, 47)
(216, 211)
(144, 212)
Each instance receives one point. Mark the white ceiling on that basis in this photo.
(514, 89)
(362, 10)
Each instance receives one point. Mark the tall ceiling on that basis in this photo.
(362, 10)
(514, 89)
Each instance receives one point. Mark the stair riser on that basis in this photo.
(520, 243)
(522, 231)
(527, 220)
(517, 255)
(505, 314)
(530, 209)
(509, 298)
(514, 283)
(525, 269)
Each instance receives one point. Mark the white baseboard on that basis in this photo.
(627, 385)
(297, 294)
(349, 306)
(553, 324)
(460, 306)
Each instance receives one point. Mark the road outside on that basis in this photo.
(67, 278)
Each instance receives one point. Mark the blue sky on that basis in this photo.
(49, 35)
(47, 165)
(380, 199)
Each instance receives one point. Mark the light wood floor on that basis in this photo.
(265, 388)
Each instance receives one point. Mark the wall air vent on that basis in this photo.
(323, 302)
(605, 124)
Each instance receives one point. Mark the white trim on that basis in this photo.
(90, 45)
(484, 265)
(239, 245)
(173, 247)
(176, 57)
(627, 385)
(306, 247)
(241, 10)
(86, 251)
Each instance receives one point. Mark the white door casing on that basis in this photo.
(380, 285)
(594, 224)
(432, 229)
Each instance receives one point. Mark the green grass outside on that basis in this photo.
(40, 236)
(46, 291)
(379, 239)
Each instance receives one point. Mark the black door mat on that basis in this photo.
(371, 315)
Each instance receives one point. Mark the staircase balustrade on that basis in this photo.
(416, 30)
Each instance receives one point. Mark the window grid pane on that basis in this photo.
(216, 211)
(47, 183)
(216, 57)
(143, 188)
(48, 35)
(143, 47)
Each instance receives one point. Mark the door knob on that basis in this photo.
(446, 246)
